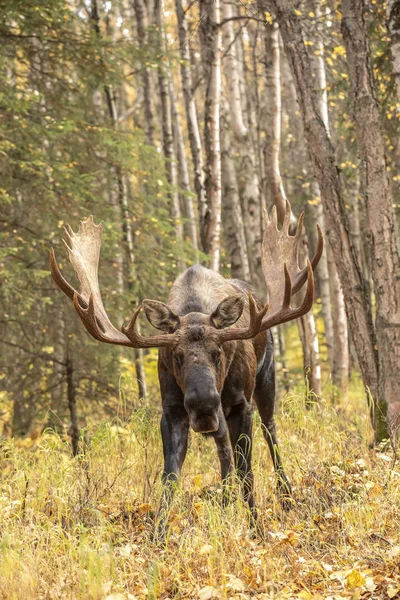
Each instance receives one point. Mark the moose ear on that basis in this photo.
(160, 315)
(228, 311)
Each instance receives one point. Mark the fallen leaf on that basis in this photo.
(392, 590)
(208, 592)
(354, 580)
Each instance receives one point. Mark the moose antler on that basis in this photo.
(84, 253)
(283, 277)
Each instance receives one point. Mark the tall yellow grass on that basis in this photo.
(80, 527)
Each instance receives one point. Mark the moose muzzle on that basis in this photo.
(203, 410)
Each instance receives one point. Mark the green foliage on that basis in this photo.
(60, 154)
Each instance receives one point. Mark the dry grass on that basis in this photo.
(79, 528)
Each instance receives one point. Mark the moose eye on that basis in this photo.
(178, 358)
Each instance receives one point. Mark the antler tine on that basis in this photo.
(88, 317)
(274, 217)
(59, 278)
(302, 276)
(155, 341)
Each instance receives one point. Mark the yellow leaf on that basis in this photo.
(144, 508)
(354, 580)
(339, 50)
(392, 590)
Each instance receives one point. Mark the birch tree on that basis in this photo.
(336, 331)
(249, 185)
(122, 192)
(171, 165)
(191, 114)
(212, 51)
(323, 156)
(378, 199)
(148, 86)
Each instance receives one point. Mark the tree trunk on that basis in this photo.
(212, 223)
(307, 327)
(73, 430)
(58, 406)
(191, 114)
(273, 118)
(168, 138)
(125, 217)
(232, 210)
(378, 199)
(393, 23)
(247, 177)
(340, 350)
(331, 292)
(327, 174)
(148, 91)
(187, 199)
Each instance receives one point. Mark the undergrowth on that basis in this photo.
(80, 527)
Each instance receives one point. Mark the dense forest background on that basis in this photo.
(178, 125)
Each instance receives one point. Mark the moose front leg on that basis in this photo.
(240, 429)
(264, 395)
(225, 455)
(174, 432)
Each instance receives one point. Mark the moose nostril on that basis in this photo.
(205, 403)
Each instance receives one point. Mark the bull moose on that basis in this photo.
(209, 370)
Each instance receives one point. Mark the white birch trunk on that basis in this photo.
(340, 342)
(232, 210)
(212, 232)
(168, 138)
(187, 199)
(191, 114)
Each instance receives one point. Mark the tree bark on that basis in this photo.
(125, 217)
(378, 199)
(327, 173)
(273, 116)
(249, 186)
(73, 430)
(212, 222)
(148, 91)
(336, 330)
(191, 114)
(168, 138)
(232, 210)
(307, 327)
(187, 200)
(393, 23)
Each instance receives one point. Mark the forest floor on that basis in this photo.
(80, 527)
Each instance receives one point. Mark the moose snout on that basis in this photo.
(203, 411)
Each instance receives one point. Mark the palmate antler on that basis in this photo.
(279, 262)
(283, 277)
(84, 253)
